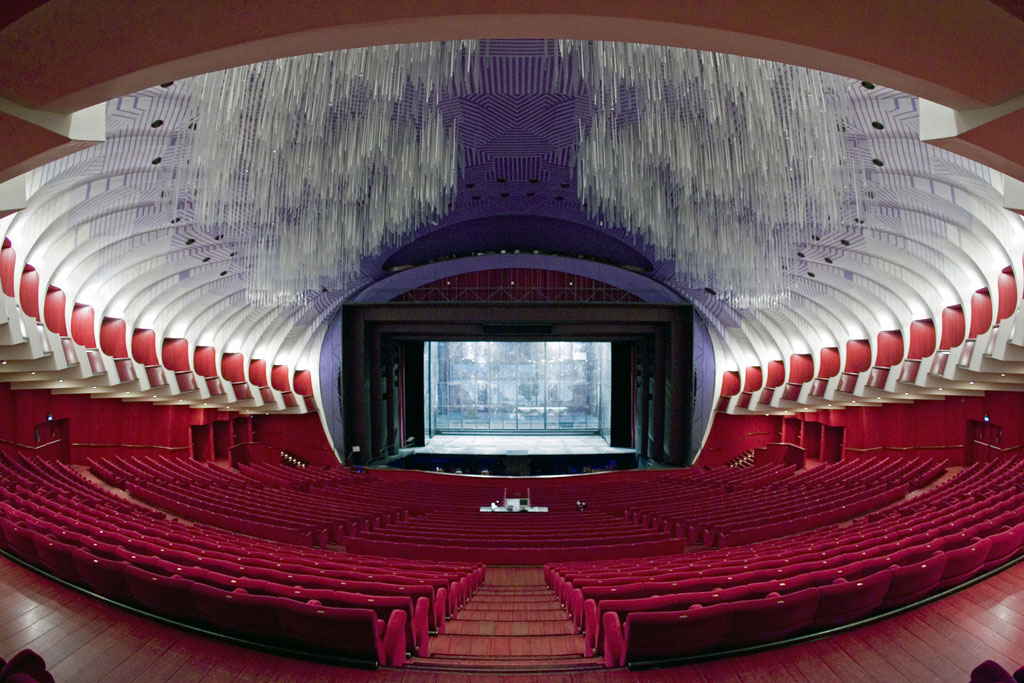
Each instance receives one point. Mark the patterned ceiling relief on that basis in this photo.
(115, 232)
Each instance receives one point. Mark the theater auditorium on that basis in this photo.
(527, 340)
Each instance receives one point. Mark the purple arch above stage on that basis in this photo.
(641, 286)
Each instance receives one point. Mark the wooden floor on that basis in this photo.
(83, 640)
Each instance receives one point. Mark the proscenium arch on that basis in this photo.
(641, 286)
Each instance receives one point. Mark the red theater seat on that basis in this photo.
(345, 632)
(105, 576)
(169, 596)
(849, 601)
(57, 558)
(1005, 546)
(25, 667)
(660, 635)
(963, 563)
(236, 611)
(913, 582)
(772, 618)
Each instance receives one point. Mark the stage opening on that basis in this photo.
(518, 387)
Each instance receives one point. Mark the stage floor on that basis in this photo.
(501, 444)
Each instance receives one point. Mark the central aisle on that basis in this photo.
(514, 623)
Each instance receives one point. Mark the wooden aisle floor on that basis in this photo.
(84, 640)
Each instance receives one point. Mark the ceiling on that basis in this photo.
(932, 232)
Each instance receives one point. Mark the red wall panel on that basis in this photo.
(828, 365)
(1007, 294)
(279, 376)
(953, 327)
(98, 427)
(730, 383)
(753, 379)
(53, 311)
(731, 435)
(232, 365)
(258, 372)
(801, 368)
(935, 429)
(303, 435)
(776, 374)
(304, 383)
(7, 258)
(922, 339)
(29, 295)
(144, 347)
(175, 354)
(890, 348)
(858, 355)
(82, 322)
(113, 341)
(205, 360)
(981, 313)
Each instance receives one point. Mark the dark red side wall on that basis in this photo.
(106, 427)
(937, 429)
(303, 435)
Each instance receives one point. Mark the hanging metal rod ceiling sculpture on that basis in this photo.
(306, 165)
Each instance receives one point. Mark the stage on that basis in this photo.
(505, 444)
(510, 454)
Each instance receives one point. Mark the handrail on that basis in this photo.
(31, 448)
(128, 445)
(903, 448)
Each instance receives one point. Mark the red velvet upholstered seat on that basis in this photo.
(844, 603)
(345, 632)
(236, 612)
(56, 558)
(913, 582)
(169, 596)
(1005, 546)
(103, 575)
(654, 635)
(963, 563)
(772, 618)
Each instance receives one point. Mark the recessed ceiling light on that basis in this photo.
(33, 372)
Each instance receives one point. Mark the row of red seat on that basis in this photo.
(810, 498)
(671, 607)
(214, 495)
(88, 536)
(292, 505)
